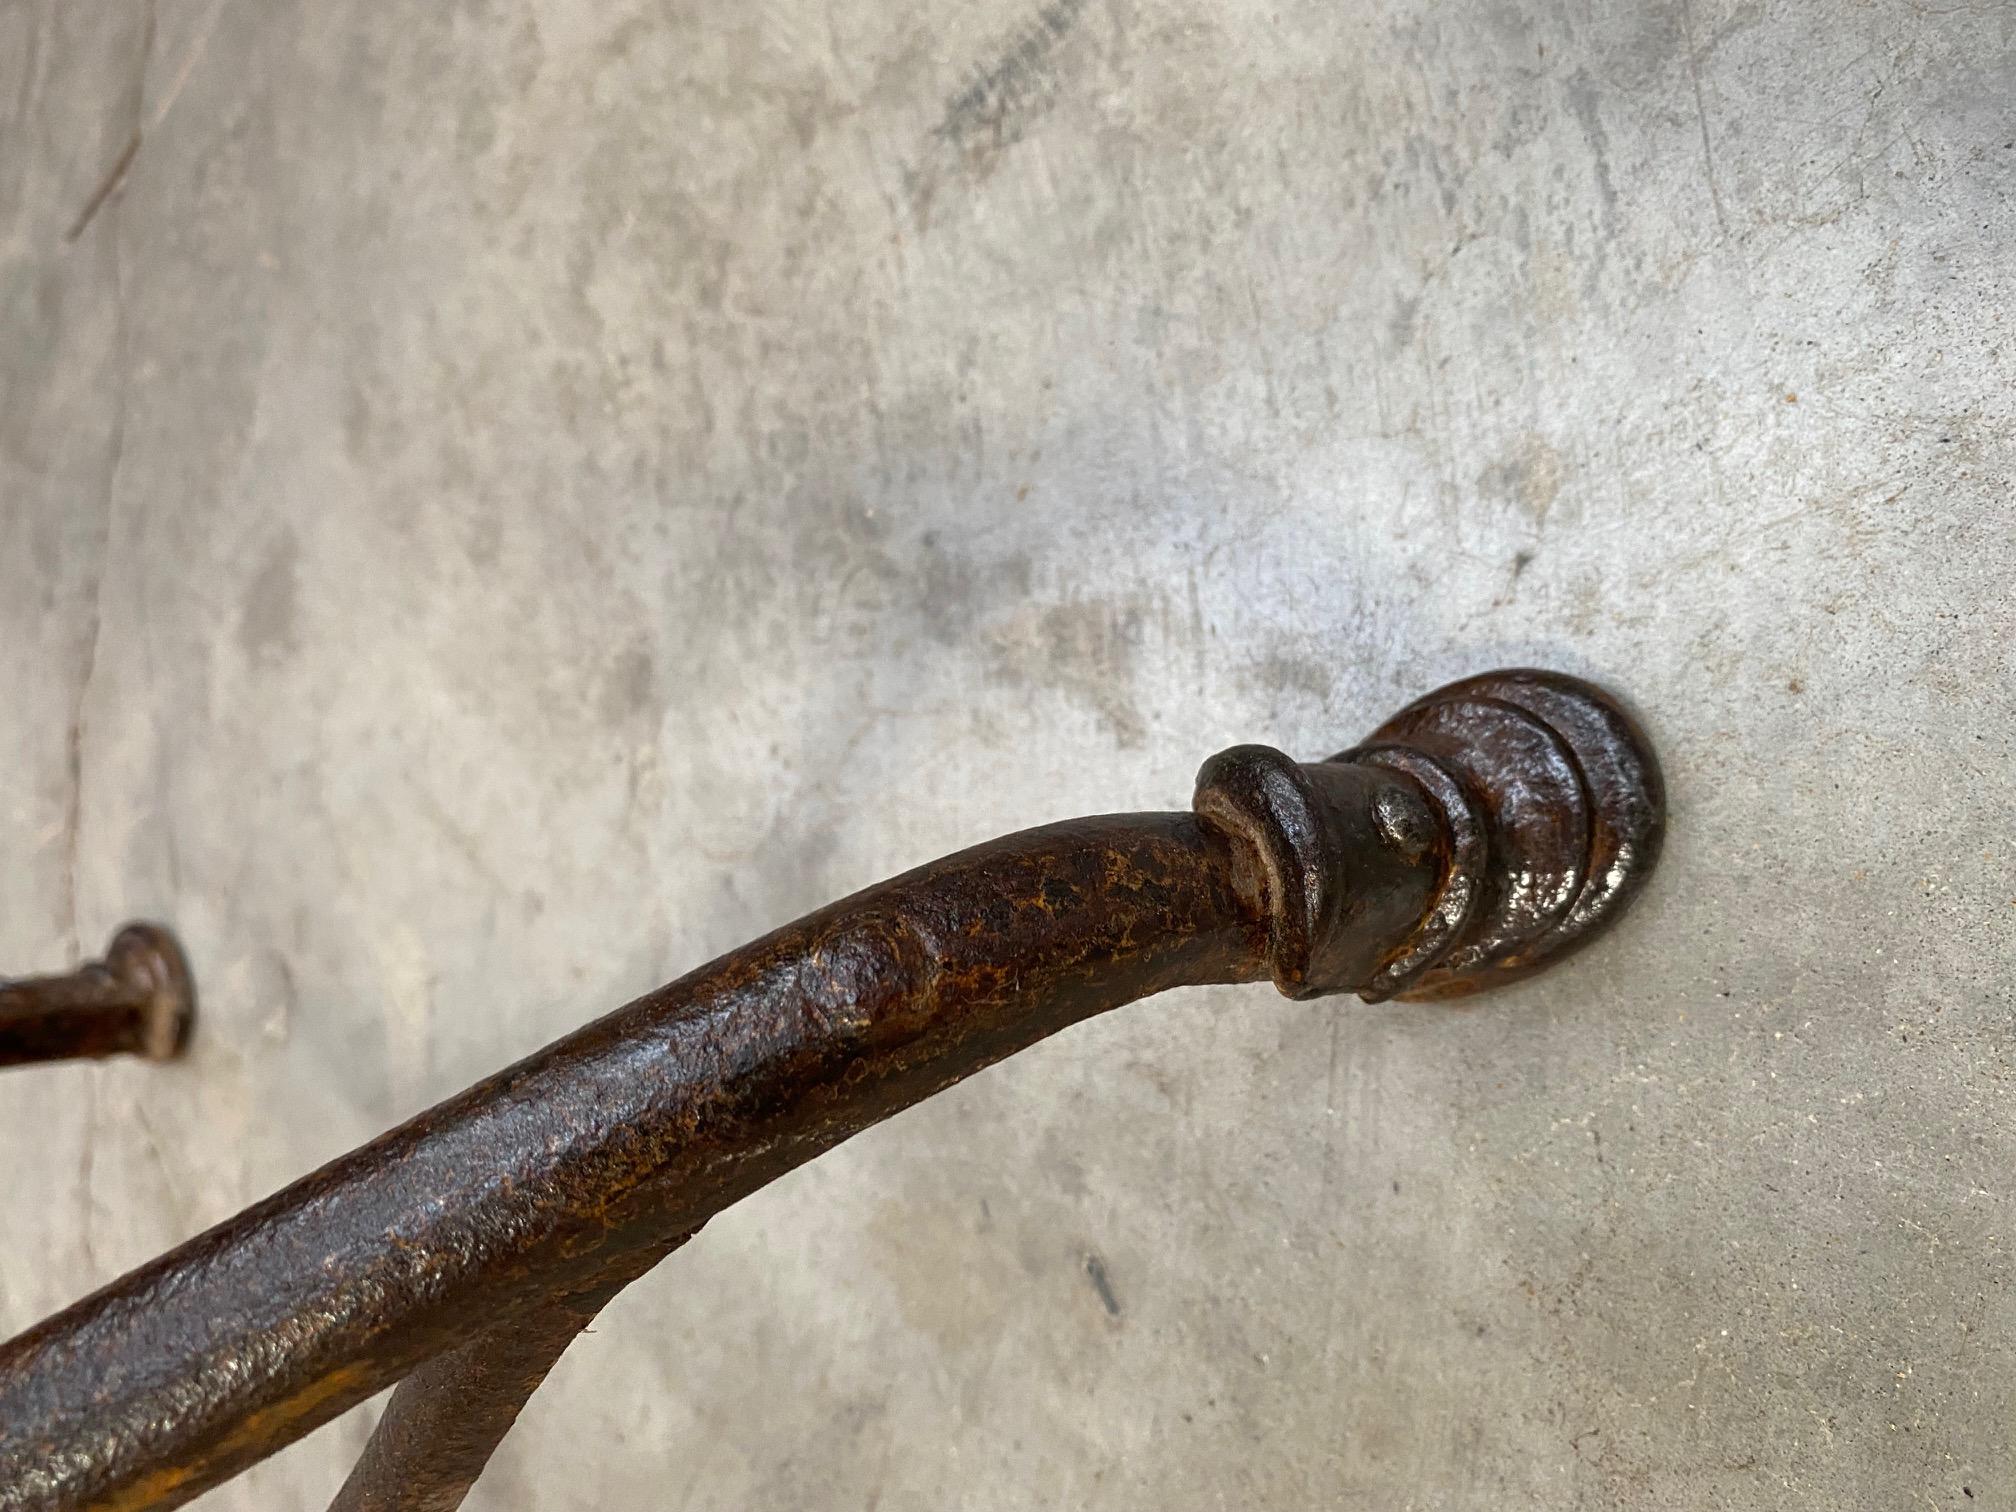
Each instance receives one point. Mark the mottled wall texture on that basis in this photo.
(501, 501)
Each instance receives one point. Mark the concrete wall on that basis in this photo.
(504, 501)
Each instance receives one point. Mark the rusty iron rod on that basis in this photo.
(1484, 831)
(138, 1000)
(624, 1134)
(447, 1418)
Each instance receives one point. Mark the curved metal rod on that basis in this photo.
(447, 1418)
(603, 1150)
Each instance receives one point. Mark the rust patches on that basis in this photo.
(1485, 830)
(138, 1000)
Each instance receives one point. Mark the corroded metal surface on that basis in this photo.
(475, 1236)
(138, 1000)
(1565, 786)
(446, 1419)
(629, 1132)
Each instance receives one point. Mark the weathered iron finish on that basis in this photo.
(139, 1000)
(482, 1234)
(1565, 789)
(624, 1135)
(447, 1418)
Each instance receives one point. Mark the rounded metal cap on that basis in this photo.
(1556, 808)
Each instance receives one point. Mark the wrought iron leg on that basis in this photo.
(139, 1000)
(447, 1418)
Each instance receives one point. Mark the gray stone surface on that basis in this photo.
(502, 502)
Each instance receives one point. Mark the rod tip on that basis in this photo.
(148, 956)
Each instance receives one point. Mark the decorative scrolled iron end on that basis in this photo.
(1479, 834)
(1489, 828)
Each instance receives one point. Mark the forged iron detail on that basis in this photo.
(1489, 828)
(1348, 857)
(1462, 880)
(139, 1000)
(1565, 793)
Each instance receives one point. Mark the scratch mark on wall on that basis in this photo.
(992, 110)
(998, 105)
(1095, 1272)
(1701, 119)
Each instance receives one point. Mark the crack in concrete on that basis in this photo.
(74, 817)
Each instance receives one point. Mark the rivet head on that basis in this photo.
(1405, 824)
